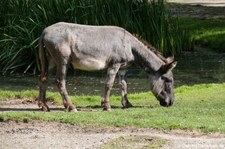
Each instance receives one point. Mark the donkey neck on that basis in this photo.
(145, 57)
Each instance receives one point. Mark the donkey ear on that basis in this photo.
(171, 65)
(170, 59)
(168, 67)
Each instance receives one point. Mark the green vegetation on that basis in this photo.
(209, 33)
(200, 107)
(23, 21)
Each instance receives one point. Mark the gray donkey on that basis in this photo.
(92, 48)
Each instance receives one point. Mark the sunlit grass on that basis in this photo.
(199, 107)
(206, 32)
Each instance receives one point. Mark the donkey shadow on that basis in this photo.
(15, 109)
(113, 107)
(89, 108)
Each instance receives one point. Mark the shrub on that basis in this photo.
(23, 21)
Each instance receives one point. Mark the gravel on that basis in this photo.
(52, 135)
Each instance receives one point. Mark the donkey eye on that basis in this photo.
(167, 87)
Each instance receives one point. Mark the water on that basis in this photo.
(76, 85)
(197, 68)
(192, 68)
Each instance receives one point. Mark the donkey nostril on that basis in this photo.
(171, 103)
(163, 103)
(166, 104)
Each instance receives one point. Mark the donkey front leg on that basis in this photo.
(61, 84)
(123, 83)
(111, 74)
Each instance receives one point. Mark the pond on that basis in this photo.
(192, 68)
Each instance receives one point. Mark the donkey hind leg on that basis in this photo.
(42, 93)
(43, 86)
(111, 74)
(61, 84)
(123, 82)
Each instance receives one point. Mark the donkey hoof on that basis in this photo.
(70, 108)
(127, 105)
(107, 109)
(44, 107)
(106, 106)
(73, 110)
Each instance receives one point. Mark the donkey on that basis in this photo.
(92, 48)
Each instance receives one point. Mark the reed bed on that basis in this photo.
(23, 21)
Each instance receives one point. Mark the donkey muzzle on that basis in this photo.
(164, 99)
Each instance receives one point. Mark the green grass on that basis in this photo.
(206, 32)
(200, 107)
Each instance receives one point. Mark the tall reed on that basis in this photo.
(23, 21)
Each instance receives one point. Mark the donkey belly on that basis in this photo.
(89, 64)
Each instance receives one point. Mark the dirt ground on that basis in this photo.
(212, 3)
(52, 135)
(45, 135)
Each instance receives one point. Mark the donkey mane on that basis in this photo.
(150, 47)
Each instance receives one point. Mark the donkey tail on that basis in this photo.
(43, 59)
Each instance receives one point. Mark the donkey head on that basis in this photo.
(162, 83)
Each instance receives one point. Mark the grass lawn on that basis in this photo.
(206, 32)
(199, 107)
